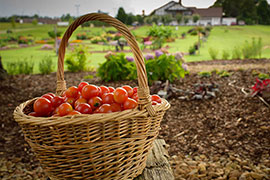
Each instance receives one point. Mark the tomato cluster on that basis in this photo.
(88, 99)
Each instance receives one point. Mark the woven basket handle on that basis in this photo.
(143, 90)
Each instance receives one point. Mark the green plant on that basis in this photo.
(11, 68)
(116, 68)
(77, 60)
(252, 49)
(25, 67)
(46, 65)
(159, 32)
(225, 54)
(224, 73)
(236, 53)
(263, 76)
(52, 34)
(165, 67)
(204, 74)
(192, 50)
(213, 53)
(195, 18)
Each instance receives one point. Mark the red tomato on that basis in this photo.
(64, 109)
(116, 107)
(74, 112)
(51, 94)
(156, 98)
(89, 91)
(57, 100)
(135, 90)
(84, 108)
(43, 107)
(130, 104)
(107, 98)
(72, 92)
(79, 101)
(95, 102)
(135, 97)
(56, 110)
(120, 95)
(47, 96)
(104, 90)
(33, 114)
(129, 90)
(105, 108)
(81, 85)
(70, 100)
(111, 89)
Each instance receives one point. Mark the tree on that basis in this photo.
(186, 19)
(155, 19)
(195, 18)
(35, 22)
(121, 15)
(263, 12)
(179, 18)
(13, 22)
(248, 12)
(166, 19)
(140, 19)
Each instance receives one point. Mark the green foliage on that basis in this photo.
(77, 60)
(263, 11)
(164, 68)
(195, 18)
(13, 22)
(225, 54)
(20, 67)
(121, 15)
(263, 76)
(159, 32)
(166, 19)
(253, 49)
(194, 33)
(192, 50)
(52, 34)
(46, 65)
(224, 73)
(213, 53)
(204, 74)
(186, 19)
(236, 53)
(179, 18)
(35, 22)
(158, 43)
(117, 68)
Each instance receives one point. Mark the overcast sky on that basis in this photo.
(58, 7)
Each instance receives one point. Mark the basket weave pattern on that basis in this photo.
(98, 146)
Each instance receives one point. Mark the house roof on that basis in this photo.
(209, 12)
(176, 7)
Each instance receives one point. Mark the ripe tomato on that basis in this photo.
(74, 112)
(79, 101)
(47, 96)
(104, 90)
(120, 95)
(43, 107)
(135, 90)
(33, 114)
(105, 108)
(130, 104)
(64, 109)
(81, 85)
(111, 89)
(84, 108)
(156, 98)
(89, 91)
(95, 102)
(51, 94)
(129, 90)
(107, 98)
(116, 107)
(57, 100)
(70, 100)
(135, 97)
(72, 92)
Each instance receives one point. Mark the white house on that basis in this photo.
(229, 21)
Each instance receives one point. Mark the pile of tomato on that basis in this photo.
(88, 99)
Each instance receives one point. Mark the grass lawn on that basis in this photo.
(221, 38)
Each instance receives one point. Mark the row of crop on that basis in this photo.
(248, 50)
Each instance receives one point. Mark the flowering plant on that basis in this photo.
(261, 87)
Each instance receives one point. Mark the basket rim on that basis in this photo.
(22, 118)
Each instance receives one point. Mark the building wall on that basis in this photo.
(228, 21)
(161, 11)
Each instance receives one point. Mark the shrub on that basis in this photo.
(252, 49)
(77, 60)
(224, 73)
(81, 36)
(165, 67)
(11, 68)
(192, 50)
(160, 32)
(236, 54)
(213, 53)
(46, 65)
(52, 34)
(117, 68)
(263, 76)
(20, 67)
(193, 33)
(204, 74)
(225, 54)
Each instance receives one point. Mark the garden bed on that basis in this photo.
(220, 137)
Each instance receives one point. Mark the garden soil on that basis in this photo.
(226, 137)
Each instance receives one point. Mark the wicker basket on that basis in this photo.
(98, 146)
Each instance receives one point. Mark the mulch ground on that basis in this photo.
(227, 137)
